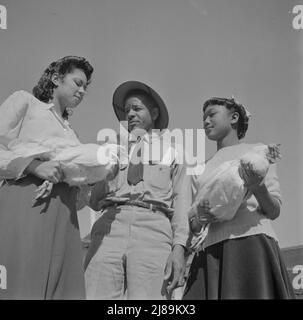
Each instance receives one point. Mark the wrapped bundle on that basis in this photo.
(225, 189)
(80, 163)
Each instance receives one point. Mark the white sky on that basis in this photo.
(188, 50)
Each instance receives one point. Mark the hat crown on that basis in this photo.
(125, 88)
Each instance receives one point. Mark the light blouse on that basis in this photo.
(249, 219)
(24, 117)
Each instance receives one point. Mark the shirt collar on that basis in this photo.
(48, 106)
(65, 123)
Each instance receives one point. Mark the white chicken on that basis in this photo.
(81, 163)
(225, 189)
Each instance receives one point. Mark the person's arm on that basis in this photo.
(45, 170)
(194, 223)
(266, 192)
(182, 200)
(99, 192)
(200, 214)
(12, 113)
(83, 196)
(268, 204)
(182, 196)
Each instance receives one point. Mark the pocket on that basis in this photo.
(158, 176)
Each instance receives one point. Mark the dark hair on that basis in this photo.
(230, 104)
(45, 87)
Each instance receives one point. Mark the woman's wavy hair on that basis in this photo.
(45, 87)
(231, 104)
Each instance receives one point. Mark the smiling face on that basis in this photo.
(140, 113)
(71, 88)
(218, 121)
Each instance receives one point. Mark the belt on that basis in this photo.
(142, 204)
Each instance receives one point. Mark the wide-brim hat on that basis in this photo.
(121, 93)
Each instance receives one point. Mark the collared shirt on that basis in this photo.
(24, 117)
(165, 182)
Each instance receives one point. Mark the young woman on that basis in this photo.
(40, 241)
(241, 258)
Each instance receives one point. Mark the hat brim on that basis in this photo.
(119, 100)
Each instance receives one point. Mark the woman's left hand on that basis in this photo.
(252, 180)
(205, 212)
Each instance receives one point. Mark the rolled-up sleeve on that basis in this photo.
(12, 113)
(182, 199)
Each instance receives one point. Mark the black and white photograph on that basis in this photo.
(151, 150)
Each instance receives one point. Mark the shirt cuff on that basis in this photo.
(181, 240)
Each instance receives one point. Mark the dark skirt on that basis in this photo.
(40, 243)
(244, 268)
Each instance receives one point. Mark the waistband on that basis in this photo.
(142, 204)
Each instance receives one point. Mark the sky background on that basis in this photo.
(188, 51)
